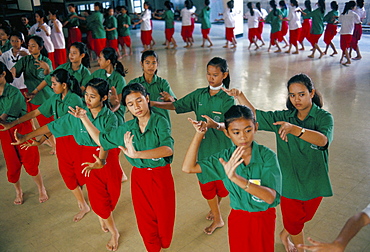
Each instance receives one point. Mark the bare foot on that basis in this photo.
(103, 226)
(209, 230)
(277, 51)
(43, 196)
(322, 54)
(83, 210)
(124, 178)
(311, 56)
(225, 46)
(233, 47)
(209, 215)
(357, 58)
(287, 51)
(289, 246)
(174, 46)
(167, 47)
(257, 48)
(202, 45)
(112, 245)
(19, 199)
(296, 52)
(285, 46)
(210, 45)
(186, 46)
(301, 49)
(347, 63)
(333, 54)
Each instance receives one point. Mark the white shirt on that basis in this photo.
(57, 37)
(229, 18)
(367, 210)
(253, 21)
(35, 30)
(348, 22)
(294, 18)
(264, 13)
(361, 12)
(7, 58)
(146, 16)
(186, 16)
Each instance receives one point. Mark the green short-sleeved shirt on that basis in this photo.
(114, 80)
(202, 103)
(304, 166)
(205, 15)
(33, 76)
(317, 21)
(111, 22)
(275, 21)
(12, 103)
(82, 75)
(58, 107)
(331, 17)
(6, 47)
(154, 89)
(263, 168)
(285, 12)
(67, 125)
(95, 24)
(72, 22)
(307, 11)
(122, 20)
(157, 133)
(169, 18)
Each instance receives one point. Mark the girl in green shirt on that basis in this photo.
(168, 17)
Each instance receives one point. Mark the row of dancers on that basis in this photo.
(92, 130)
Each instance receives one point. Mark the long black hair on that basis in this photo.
(40, 42)
(236, 112)
(321, 4)
(8, 75)
(222, 64)
(148, 53)
(230, 5)
(307, 5)
(110, 54)
(83, 50)
(334, 5)
(304, 80)
(101, 86)
(20, 36)
(258, 6)
(250, 7)
(294, 2)
(168, 5)
(273, 6)
(207, 3)
(348, 6)
(62, 76)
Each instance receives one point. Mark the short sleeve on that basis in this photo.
(167, 88)
(112, 139)
(367, 210)
(46, 107)
(266, 119)
(62, 126)
(326, 126)
(20, 66)
(271, 174)
(164, 133)
(212, 169)
(185, 104)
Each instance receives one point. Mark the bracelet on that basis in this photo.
(247, 185)
(46, 136)
(302, 131)
(36, 90)
(218, 126)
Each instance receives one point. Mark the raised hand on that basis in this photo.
(232, 92)
(129, 150)
(98, 164)
(199, 126)
(28, 144)
(285, 129)
(29, 96)
(19, 138)
(113, 97)
(77, 112)
(166, 97)
(210, 123)
(42, 65)
(234, 161)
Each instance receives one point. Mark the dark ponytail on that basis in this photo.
(307, 5)
(230, 5)
(258, 6)
(8, 75)
(273, 6)
(222, 64)
(62, 76)
(83, 50)
(322, 6)
(110, 54)
(249, 5)
(304, 80)
(348, 6)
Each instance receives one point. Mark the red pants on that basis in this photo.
(330, 32)
(212, 189)
(69, 162)
(294, 35)
(126, 40)
(90, 41)
(169, 33)
(345, 41)
(41, 119)
(260, 30)
(51, 57)
(103, 185)
(314, 39)
(252, 34)
(153, 197)
(60, 56)
(186, 32)
(252, 231)
(15, 157)
(99, 45)
(112, 43)
(297, 212)
(205, 32)
(357, 33)
(146, 37)
(306, 28)
(275, 36)
(284, 28)
(74, 35)
(229, 34)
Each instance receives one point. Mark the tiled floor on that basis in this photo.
(262, 76)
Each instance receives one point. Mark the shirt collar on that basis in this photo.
(155, 79)
(149, 126)
(5, 92)
(102, 112)
(312, 113)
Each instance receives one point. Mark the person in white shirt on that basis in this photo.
(350, 229)
(186, 23)
(10, 57)
(57, 37)
(254, 16)
(146, 27)
(348, 19)
(44, 31)
(295, 25)
(229, 19)
(360, 10)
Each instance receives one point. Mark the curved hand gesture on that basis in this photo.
(167, 97)
(28, 144)
(19, 138)
(232, 92)
(285, 129)
(98, 164)
(234, 161)
(113, 97)
(42, 64)
(210, 123)
(29, 96)
(199, 126)
(77, 112)
(5, 125)
(130, 149)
